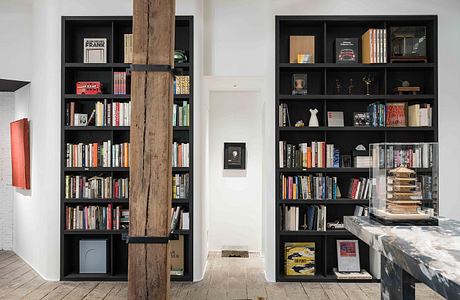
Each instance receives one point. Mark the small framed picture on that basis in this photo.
(235, 156)
(348, 256)
(361, 119)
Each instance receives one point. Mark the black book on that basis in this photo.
(346, 50)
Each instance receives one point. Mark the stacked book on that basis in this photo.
(119, 83)
(363, 161)
(94, 218)
(417, 156)
(317, 155)
(360, 188)
(180, 219)
(82, 187)
(112, 114)
(180, 157)
(374, 46)
(420, 115)
(294, 218)
(181, 114)
(182, 85)
(309, 187)
(283, 115)
(180, 186)
(97, 155)
(128, 48)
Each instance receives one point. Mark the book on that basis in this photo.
(128, 48)
(396, 114)
(315, 155)
(346, 50)
(373, 46)
(180, 186)
(283, 115)
(359, 188)
(181, 154)
(309, 187)
(95, 50)
(348, 256)
(417, 156)
(335, 119)
(176, 252)
(95, 217)
(420, 115)
(181, 85)
(92, 155)
(362, 275)
(120, 83)
(181, 114)
(299, 258)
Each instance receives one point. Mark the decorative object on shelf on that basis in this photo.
(95, 51)
(336, 225)
(299, 258)
(348, 256)
(346, 161)
(408, 44)
(235, 156)
(299, 123)
(80, 119)
(303, 47)
(368, 79)
(88, 87)
(313, 118)
(406, 88)
(180, 57)
(335, 119)
(396, 114)
(351, 86)
(304, 225)
(338, 87)
(346, 50)
(299, 84)
(176, 252)
(361, 119)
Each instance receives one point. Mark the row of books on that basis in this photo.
(113, 114)
(317, 155)
(96, 217)
(360, 188)
(399, 114)
(180, 219)
(309, 187)
(119, 83)
(97, 155)
(420, 115)
(128, 48)
(181, 114)
(416, 156)
(103, 114)
(98, 187)
(181, 152)
(181, 85)
(180, 186)
(283, 115)
(374, 46)
(312, 217)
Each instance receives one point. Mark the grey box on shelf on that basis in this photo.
(93, 256)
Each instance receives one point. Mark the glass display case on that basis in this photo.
(404, 183)
(408, 43)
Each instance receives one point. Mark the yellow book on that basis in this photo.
(299, 258)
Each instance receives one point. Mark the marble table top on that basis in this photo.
(430, 254)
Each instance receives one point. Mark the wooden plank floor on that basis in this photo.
(225, 279)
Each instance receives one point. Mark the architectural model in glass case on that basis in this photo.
(404, 183)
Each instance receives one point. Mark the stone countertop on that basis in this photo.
(430, 254)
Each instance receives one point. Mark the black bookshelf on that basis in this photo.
(74, 29)
(321, 95)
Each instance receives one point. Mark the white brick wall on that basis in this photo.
(6, 191)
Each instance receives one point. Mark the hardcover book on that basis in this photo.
(348, 256)
(346, 50)
(335, 119)
(95, 51)
(396, 114)
(300, 258)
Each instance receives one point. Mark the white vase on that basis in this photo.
(313, 118)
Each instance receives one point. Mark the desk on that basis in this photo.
(430, 254)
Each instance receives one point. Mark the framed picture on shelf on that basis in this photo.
(361, 119)
(235, 156)
(348, 256)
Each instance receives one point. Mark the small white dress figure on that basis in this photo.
(313, 118)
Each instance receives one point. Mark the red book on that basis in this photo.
(20, 161)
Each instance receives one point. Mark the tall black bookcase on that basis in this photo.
(322, 77)
(74, 29)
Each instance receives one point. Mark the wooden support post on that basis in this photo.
(151, 143)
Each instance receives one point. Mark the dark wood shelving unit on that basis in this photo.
(321, 78)
(74, 29)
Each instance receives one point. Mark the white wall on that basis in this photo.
(235, 196)
(6, 191)
(15, 39)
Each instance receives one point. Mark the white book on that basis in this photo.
(94, 50)
(186, 221)
(281, 153)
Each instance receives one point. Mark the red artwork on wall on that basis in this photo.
(20, 161)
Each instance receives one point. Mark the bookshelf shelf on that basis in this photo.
(74, 30)
(322, 95)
